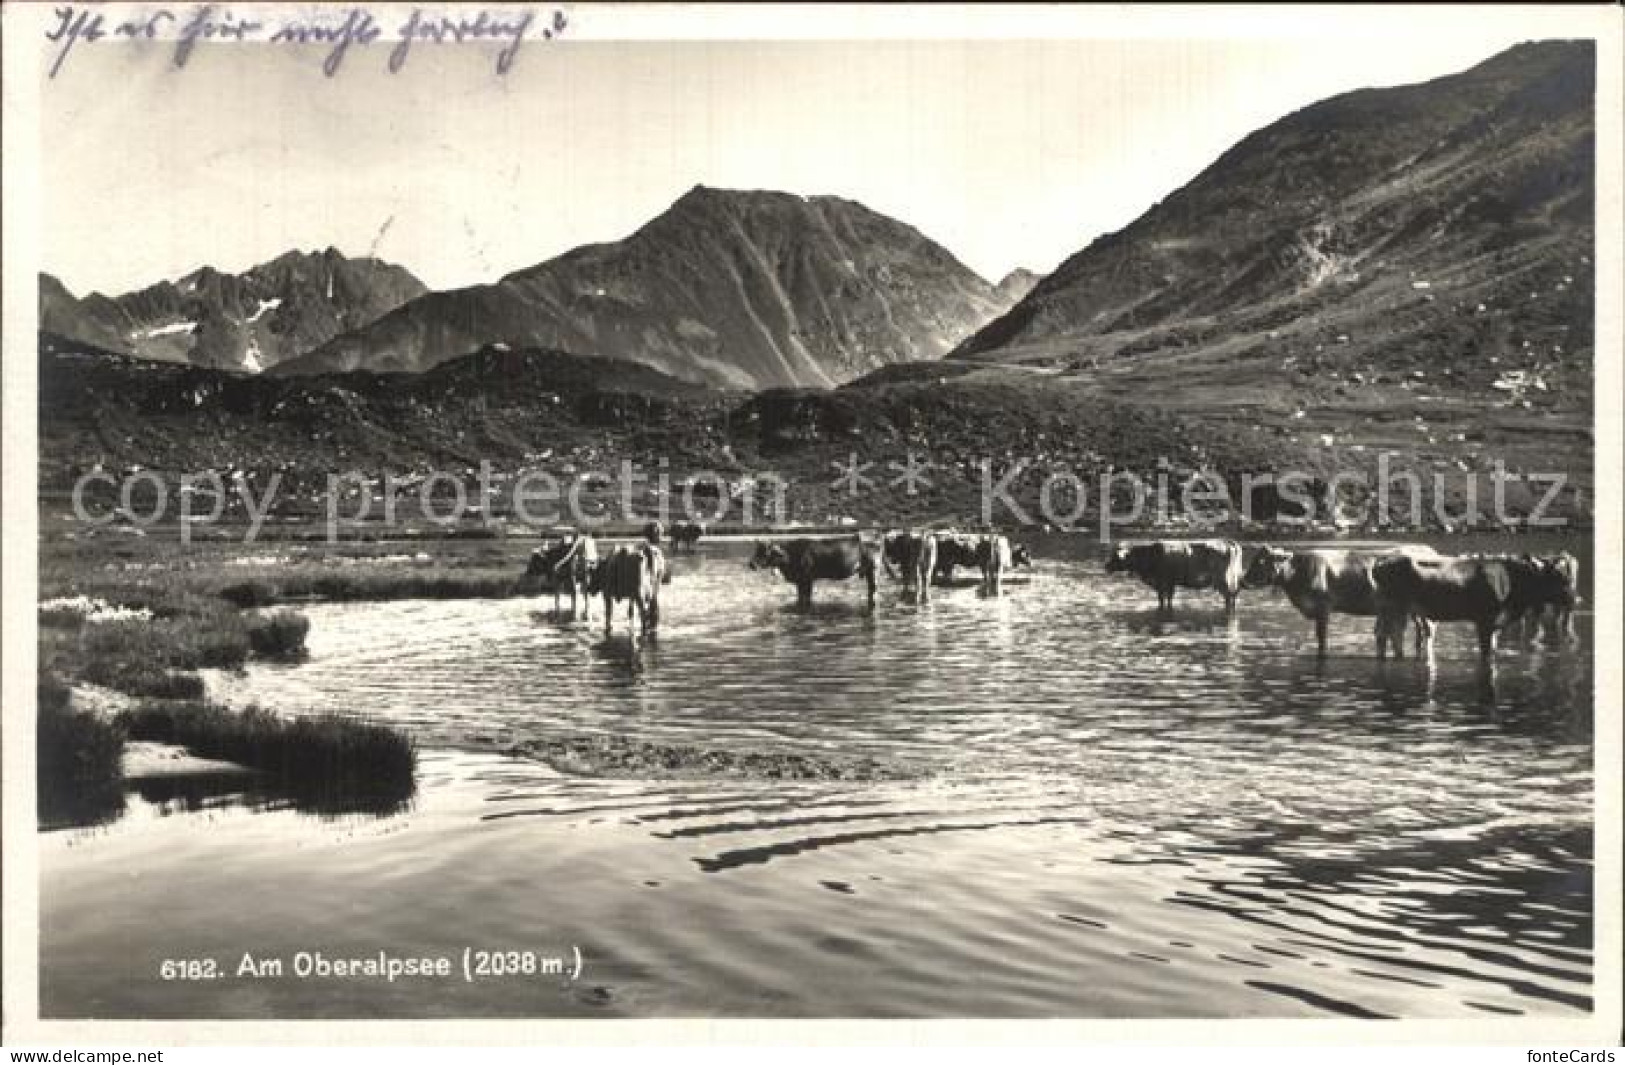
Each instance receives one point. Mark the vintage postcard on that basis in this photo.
(586, 514)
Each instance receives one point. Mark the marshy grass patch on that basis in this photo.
(146, 653)
(79, 770)
(325, 758)
(143, 679)
(217, 640)
(146, 626)
(369, 586)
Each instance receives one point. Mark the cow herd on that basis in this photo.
(1404, 586)
(1399, 586)
(631, 574)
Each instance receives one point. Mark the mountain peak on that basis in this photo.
(729, 287)
(713, 197)
(1016, 284)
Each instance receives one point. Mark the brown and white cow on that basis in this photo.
(1325, 581)
(632, 575)
(567, 563)
(1552, 616)
(1167, 565)
(910, 557)
(1488, 592)
(996, 558)
(804, 561)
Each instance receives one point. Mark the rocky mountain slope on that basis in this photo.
(728, 288)
(526, 410)
(249, 321)
(1403, 268)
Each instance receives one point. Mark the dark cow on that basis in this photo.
(1166, 565)
(803, 561)
(1488, 592)
(955, 549)
(633, 575)
(565, 563)
(1566, 568)
(910, 557)
(1553, 615)
(1020, 557)
(1323, 582)
(685, 534)
(996, 558)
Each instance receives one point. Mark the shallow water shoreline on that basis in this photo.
(1045, 803)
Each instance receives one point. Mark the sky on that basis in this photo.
(1009, 153)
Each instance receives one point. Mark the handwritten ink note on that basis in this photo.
(341, 29)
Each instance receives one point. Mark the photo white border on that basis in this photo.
(24, 57)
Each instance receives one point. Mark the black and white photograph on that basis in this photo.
(584, 514)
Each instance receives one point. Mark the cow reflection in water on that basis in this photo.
(631, 656)
(1154, 621)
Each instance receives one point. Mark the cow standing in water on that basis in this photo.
(914, 556)
(1167, 565)
(995, 557)
(803, 561)
(1320, 583)
(1550, 614)
(568, 563)
(686, 534)
(1566, 568)
(955, 549)
(633, 575)
(1489, 592)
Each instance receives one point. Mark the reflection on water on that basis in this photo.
(1051, 803)
(196, 792)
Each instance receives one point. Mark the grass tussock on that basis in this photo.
(320, 755)
(142, 679)
(279, 634)
(79, 769)
(158, 657)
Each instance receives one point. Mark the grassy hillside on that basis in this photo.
(1404, 270)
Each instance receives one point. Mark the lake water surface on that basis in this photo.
(1045, 804)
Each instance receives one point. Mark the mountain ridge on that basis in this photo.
(1400, 272)
(245, 322)
(1295, 201)
(732, 288)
